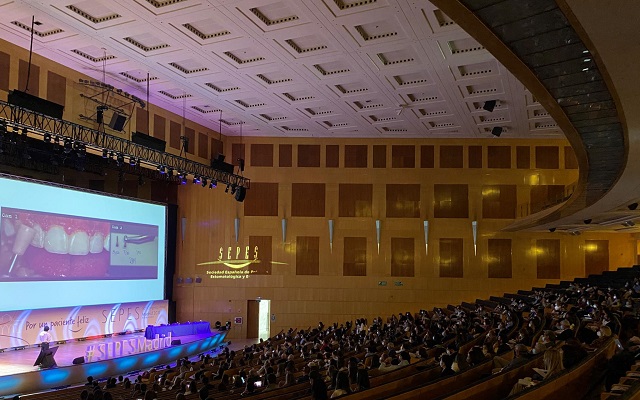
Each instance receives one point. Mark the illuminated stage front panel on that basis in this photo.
(21, 328)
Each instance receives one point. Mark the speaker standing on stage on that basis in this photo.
(45, 337)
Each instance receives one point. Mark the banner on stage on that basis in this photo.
(22, 328)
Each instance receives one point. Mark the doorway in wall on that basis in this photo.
(258, 319)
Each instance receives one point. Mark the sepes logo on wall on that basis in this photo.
(236, 260)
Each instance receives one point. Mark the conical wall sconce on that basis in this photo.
(474, 228)
(378, 223)
(426, 237)
(284, 230)
(331, 235)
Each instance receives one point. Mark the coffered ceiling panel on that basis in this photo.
(344, 68)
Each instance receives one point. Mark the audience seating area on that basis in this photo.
(572, 340)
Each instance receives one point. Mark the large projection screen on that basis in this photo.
(62, 247)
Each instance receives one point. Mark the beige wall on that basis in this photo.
(301, 301)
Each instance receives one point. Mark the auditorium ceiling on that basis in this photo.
(289, 68)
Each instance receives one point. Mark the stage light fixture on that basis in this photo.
(105, 153)
(234, 187)
(68, 145)
(213, 184)
(161, 169)
(204, 182)
(496, 131)
(628, 224)
(170, 171)
(132, 161)
(552, 230)
(184, 180)
(587, 221)
(81, 150)
(47, 137)
(120, 160)
(632, 206)
(226, 190)
(489, 105)
(24, 132)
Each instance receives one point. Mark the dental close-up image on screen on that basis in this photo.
(44, 246)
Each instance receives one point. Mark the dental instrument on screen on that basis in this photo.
(138, 239)
(23, 240)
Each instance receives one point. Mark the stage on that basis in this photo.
(18, 375)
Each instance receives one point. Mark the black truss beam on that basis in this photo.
(18, 118)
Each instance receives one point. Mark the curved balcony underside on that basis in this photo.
(544, 45)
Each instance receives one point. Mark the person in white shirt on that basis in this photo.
(45, 337)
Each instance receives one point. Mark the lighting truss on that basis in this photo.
(18, 118)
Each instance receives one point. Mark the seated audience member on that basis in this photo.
(520, 357)
(192, 388)
(446, 361)
(289, 379)
(342, 386)
(565, 332)
(305, 375)
(89, 381)
(318, 387)
(603, 334)
(553, 366)
(475, 356)
(203, 393)
(389, 364)
(224, 384)
(573, 353)
(271, 383)
(362, 380)
(150, 395)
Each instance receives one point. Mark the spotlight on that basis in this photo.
(204, 182)
(180, 174)
(496, 131)
(184, 180)
(120, 159)
(132, 161)
(68, 146)
(587, 221)
(574, 233)
(24, 132)
(161, 169)
(47, 137)
(632, 206)
(196, 179)
(226, 190)
(489, 105)
(170, 171)
(213, 184)
(233, 189)
(628, 224)
(552, 230)
(80, 149)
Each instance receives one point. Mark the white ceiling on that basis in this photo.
(322, 68)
